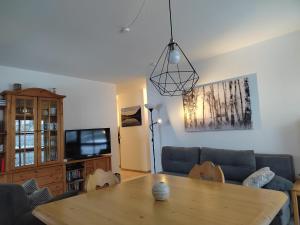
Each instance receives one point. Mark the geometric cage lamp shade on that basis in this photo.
(173, 79)
(173, 74)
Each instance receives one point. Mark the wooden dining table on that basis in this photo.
(191, 202)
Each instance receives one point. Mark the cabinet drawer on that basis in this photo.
(56, 193)
(56, 188)
(45, 172)
(23, 176)
(102, 164)
(3, 179)
(51, 178)
(89, 163)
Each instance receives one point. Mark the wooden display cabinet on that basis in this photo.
(3, 143)
(33, 138)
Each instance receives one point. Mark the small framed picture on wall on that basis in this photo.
(131, 116)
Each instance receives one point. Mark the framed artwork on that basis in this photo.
(222, 105)
(131, 116)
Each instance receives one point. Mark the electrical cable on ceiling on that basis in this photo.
(127, 28)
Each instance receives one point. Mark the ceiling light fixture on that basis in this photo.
(126, 29)
(173, 74)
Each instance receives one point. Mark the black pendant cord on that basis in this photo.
(171, 24)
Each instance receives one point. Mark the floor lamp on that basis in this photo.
(151, 126)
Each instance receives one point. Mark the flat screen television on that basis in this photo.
(80, 144)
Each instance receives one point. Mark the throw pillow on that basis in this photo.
(30, 186)
(279, 183)
(40, 196)
(259, 178)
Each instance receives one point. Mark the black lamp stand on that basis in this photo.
(152, 138)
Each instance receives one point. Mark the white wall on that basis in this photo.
(134, 147)
(89, 104)
(277, 65)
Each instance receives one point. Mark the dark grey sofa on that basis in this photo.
(15, 207)
(236, 165)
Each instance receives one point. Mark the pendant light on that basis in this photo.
(173, 74)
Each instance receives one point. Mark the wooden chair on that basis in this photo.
(100, 179)
(207, 171)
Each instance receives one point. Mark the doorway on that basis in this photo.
(134, 137)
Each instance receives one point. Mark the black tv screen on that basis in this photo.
(87, 143)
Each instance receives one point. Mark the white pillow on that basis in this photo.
(259, 178)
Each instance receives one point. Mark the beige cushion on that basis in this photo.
(259, 178)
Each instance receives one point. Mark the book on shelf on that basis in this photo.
(74, 174)
(75, 187)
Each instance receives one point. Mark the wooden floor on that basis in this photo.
(127, 175)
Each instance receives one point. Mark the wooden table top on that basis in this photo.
(192, 202)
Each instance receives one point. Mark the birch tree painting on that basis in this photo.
(224, 105)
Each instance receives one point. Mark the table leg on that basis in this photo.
(295, 207)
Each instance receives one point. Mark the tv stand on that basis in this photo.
(77, 171)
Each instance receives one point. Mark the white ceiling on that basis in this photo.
(81, 38)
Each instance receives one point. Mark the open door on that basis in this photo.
(134, 142)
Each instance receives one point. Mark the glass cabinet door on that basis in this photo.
(48, 130)
(24, 132)
(2, 136)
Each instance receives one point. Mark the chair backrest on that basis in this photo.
(207, 171)
(100, 179)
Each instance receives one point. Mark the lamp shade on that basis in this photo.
(173, 74)
(171, 78)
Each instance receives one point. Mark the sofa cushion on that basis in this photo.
(279, 183)
(281, 164)
(179, 159)
(259, 178)
(236, 165)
